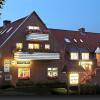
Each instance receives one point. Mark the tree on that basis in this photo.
(1, 4)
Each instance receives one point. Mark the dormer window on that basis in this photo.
(74, 55)
(33, 27)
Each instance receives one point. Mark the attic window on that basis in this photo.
(75, 40)
(81, 40)
(67, 40)
(33, 27)
(9, 29)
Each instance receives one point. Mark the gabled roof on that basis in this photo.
(87, 42)
(6, 31)
(97, 50)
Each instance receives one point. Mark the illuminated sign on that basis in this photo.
(23, 63)
(73, 78)
(7, 64)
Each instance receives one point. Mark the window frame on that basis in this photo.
(84, 56)
(52, 71)
(71, 57)
(19, 47)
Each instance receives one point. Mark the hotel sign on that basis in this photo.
(7, 64)
(73, 79)
(23, 63)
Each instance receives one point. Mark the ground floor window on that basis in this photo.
(8, 77)
(23, 73)
(52, 72)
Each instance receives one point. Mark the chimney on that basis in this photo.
(6, 22)
(82, 30)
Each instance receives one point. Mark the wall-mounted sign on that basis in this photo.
(7, 64)
(23, 63)
(74, 78)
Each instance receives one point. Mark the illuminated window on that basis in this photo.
(52, 72)
(33, 27)
(30, 46)
(19, 45)
(36, 46)
(47, 46)
(85, 56)
(23, 73)
(74, 56)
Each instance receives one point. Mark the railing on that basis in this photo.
(36, 56)
(37, 36)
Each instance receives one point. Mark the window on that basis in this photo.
(74, 56)
(47, 46)
(85, 56)
(19, 45)
(23, 73)
(52, 72)
(67, 40)
(36, 46)
(75, 40)
(81, 40)
(8, 77)
(33, 27)
(30, 46)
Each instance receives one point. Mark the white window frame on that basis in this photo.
(74, 55)
(52, 72)
(85, 56)
(47, 46)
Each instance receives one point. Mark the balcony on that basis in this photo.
(36, 56)
(37, 37)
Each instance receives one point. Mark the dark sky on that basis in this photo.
(62, 14)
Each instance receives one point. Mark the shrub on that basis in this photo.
(24, 83)
(6, 85)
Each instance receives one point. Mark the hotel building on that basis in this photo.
(29, 50)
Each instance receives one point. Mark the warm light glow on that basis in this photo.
(74, 78)
(36, 46)
(23, 63)
(30, 46)
(33, 27)
(23, 73)
(19, 45)
(87, 65)
(85, 56)
(52, 72)
(74, 56)
(47, 46)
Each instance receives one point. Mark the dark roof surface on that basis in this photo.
(89, 41)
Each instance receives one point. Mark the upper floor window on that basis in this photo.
(33, 46)
(47, 46)
(33, 27)
(30, 46)
(85, 56)
(19, 45)
(74, 56)
(52, 72)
